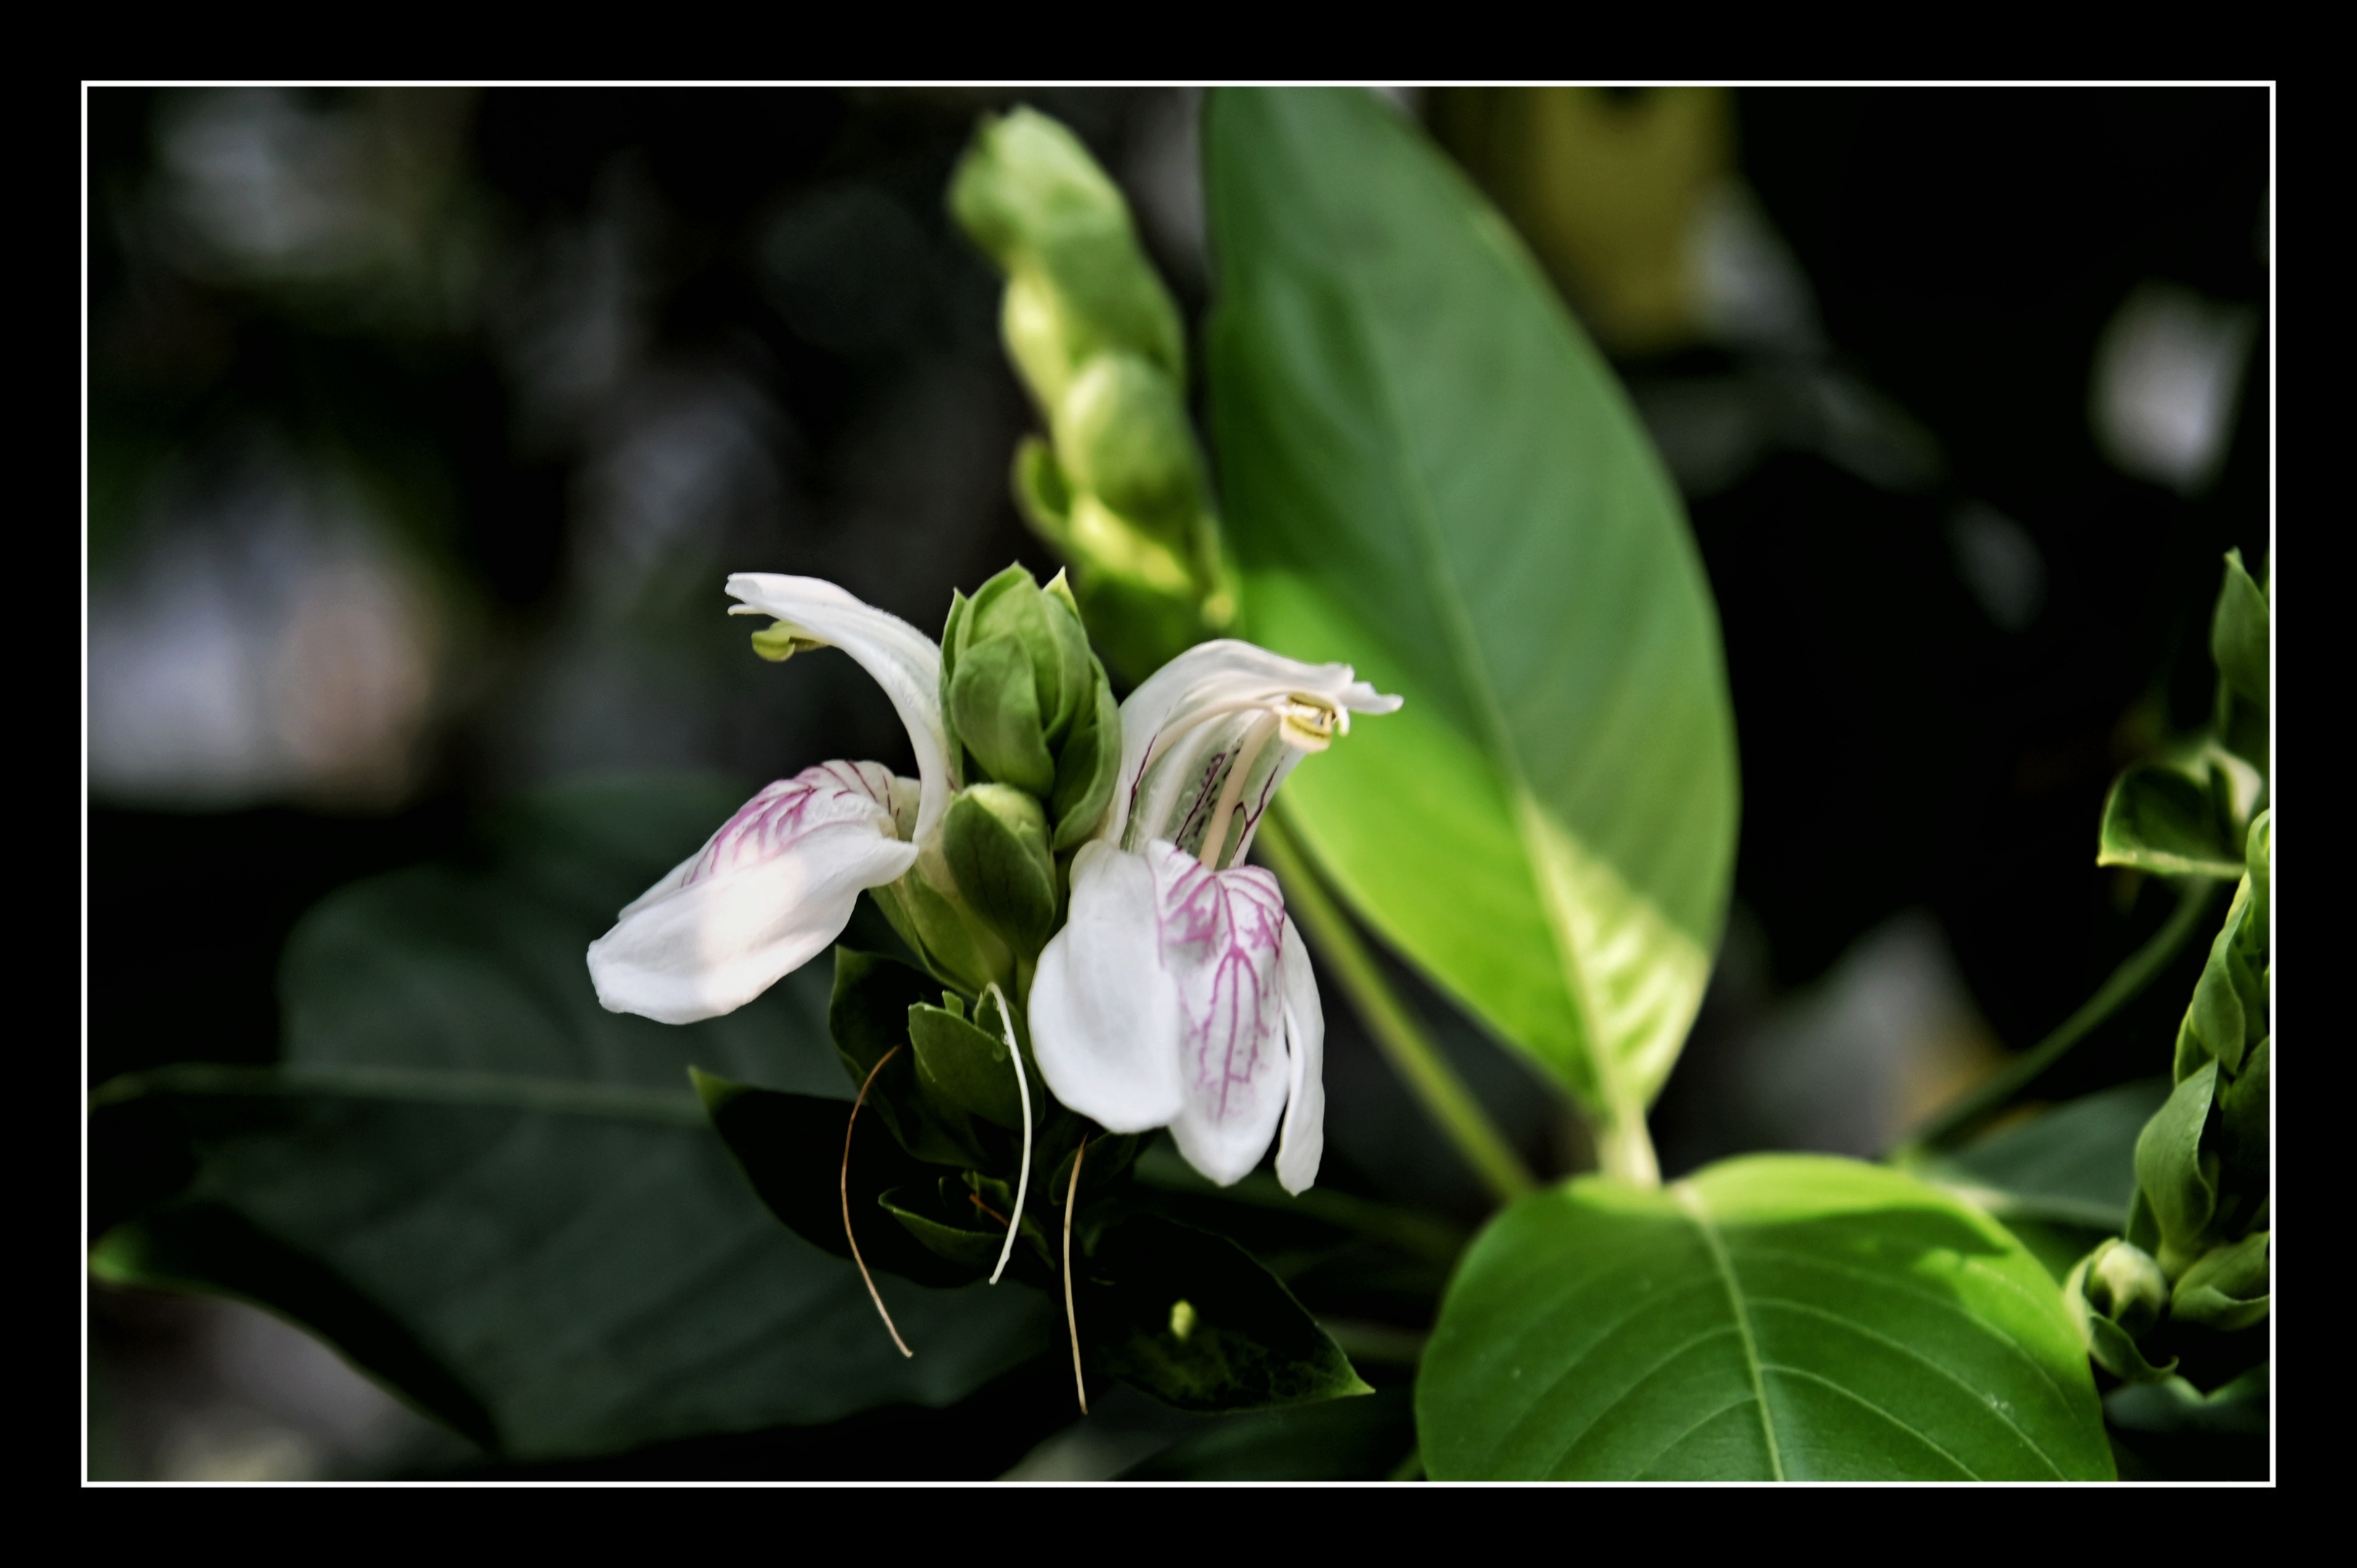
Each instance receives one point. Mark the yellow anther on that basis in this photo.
(1308, 723)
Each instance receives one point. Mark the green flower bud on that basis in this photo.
(996, 839)
(955, 943)
(1087, 767)
(1122, 435)
(2117, 1277)
(2227, 1287)
(2126, 1286)
(994, 705)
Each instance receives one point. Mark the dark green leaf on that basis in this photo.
(2160, 818)
(1432, 474)
(2174, 1405)
(471, 1177)
(791, 1147)
(2075, 1164)
(967, 1068)
(1190, 1318)
(868, 1013)
(2227, 1288)
(1342, 1439)
(1775, 1317)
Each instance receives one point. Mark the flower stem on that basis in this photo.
(1993, 1094)
(1398, 1033)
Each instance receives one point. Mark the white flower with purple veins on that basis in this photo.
(1178, 994)
(777, 882)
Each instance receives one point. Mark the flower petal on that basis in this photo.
(900, 658)
(1104, 1015)
(1303, 1141)
(1221, 939)
(1210, 681)
(764, 895)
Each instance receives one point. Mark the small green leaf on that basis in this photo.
(2227, 1288)
(2179, 1178)
(1088, 765)
(942, 1217)
(2238, 634)
(1777, 1317)
(1432, 474)
(1243, 1343)
(966, 1067)
(2161, 820)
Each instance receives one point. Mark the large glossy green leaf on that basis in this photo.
(1431, 474)
(1777, 1317)
(508, 1202)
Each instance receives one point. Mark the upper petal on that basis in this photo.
(900, 658)
(1208, 682)
(1103, 1011)
(1221, 941)
(1303, 1141)
(765, 894)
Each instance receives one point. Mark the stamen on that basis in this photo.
(1215, 835)
(1023, 1179)
(1310, 724)
(1071, 1196)
(844, 1187)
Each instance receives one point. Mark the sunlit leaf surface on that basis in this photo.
(1773, 1318)
(1431, 474)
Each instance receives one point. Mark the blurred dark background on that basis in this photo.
(423, 427)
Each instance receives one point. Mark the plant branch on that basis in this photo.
(1994, 1094)
(1398, 1033)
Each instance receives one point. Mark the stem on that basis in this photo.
(1993, 1094)
(1398, 1031)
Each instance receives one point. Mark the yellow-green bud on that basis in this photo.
(1122, 435)
(2126, 1285)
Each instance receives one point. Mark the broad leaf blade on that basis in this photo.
(2074, 1164)
(1431, 474)
(1773, 1318)
(466, 1159)
(2160, 818)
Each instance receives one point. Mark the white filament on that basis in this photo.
(1023, 1180)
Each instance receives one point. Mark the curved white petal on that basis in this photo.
(764, 895)
(1166, 718)
(1221, 939)
(1303, 1143)
(1104, 1015)
(900, 659)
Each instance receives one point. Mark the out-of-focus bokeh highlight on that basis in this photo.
(424, 426)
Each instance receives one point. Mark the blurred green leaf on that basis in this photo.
(1192, 1319)
(2075, 1164)
(1432, 474)
(2238, 635)
(2174, 1405)
(505, 1201)
(1776, 1317)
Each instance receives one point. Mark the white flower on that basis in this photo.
(1178, 994)
(777, 882)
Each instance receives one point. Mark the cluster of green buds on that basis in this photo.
(1119, 490)
(2194, 1261)
(1035, 745)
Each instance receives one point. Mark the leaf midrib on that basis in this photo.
(1690, 1200)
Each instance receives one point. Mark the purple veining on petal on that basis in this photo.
(1206, 793)
(789, 809)
(1221, 935)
